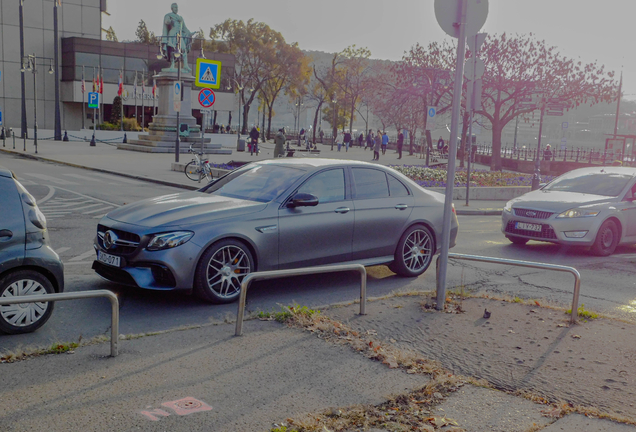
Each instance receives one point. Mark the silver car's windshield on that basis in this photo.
(255, 182)
(606, 184)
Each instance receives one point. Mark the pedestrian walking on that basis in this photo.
(254, 141)
(347, 140)
(339, 140)
(360, 139)
(370, 140)
(385, 142)
(279, 143)
(376, 146)
(440, 144)
(400, 143)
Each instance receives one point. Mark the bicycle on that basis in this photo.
(197, 169)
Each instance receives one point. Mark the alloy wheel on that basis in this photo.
(226, 270)
(417, 250)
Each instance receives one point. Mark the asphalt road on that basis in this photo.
(73, 200)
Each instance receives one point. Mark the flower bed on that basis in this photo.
(436, 177)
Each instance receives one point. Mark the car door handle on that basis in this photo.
(342, 210)
(401, 206)
(5, 235)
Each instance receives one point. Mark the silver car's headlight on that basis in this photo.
(169, 240)
(508, 207)
(578, 213)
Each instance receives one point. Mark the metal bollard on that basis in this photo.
(13, 140)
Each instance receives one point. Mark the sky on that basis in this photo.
(581, 29)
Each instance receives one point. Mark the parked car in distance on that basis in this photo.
(593, 207)
(28, 264)
(269, 215)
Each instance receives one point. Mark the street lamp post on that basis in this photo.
(58, 122)
(22, 80)
(29, 63)
(335, 126)
(178, 57)
(298, 105)
(536, 178)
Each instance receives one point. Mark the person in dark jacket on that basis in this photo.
(254, 141)
(370, 140)
(547, 153)
(360, 139)
(347, 140)
(400, 143)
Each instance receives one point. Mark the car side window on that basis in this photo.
(370, 183)
(328, 186)
(397, 188)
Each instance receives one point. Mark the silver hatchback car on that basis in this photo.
(593, 207)
(274, 214)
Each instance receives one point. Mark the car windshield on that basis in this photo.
(255, 182)
(599, 183)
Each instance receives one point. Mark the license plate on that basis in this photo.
(528, 226)
(109, 259)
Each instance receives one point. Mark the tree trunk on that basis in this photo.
(269, 120)
(462, 148)
(246, 113)
(316, 121)
(495, 160)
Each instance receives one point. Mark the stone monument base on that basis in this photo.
(162, 134)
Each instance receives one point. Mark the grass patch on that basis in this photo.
(583, 313)
(288, 312)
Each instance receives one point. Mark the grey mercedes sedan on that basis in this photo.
(274, 214)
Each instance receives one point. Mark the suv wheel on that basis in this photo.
(24, 317)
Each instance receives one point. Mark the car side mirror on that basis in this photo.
(303, 200)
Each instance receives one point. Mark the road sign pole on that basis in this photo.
(452, 154)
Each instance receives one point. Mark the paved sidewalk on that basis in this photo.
(156, 167)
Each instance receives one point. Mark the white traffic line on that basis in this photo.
(98, 210)
(99, 216)
(54, 204)
(88, 206)
(83, 256)
(61, 250)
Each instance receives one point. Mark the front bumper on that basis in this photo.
(169, 269)
(553, 230)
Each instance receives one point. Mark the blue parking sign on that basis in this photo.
(93, 100)
(0, 118)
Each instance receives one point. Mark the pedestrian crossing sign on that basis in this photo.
(208, 73)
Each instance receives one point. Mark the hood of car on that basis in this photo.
(557, 201)
(183, 209)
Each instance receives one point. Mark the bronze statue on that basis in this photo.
(173, 25)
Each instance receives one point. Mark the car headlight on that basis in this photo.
(169, 240)
(578, 213)
(508, 207)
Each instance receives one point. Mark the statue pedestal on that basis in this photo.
(163, 129)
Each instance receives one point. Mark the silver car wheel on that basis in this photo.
(24, 317)
(226, 270)
(417, 250)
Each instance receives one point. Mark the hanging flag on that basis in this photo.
(83, 82)
(120, 85)
(143, 84)
(94, 82)
(135, 87)
(154, 88)
(101, 84)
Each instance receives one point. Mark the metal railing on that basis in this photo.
(114, 303)
(275, 274)
(543, 266)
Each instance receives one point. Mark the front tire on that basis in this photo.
(193, 171)
(24, 317)
(221, 270)
(606, 239)
(414, 252)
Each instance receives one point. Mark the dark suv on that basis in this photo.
(28, 264)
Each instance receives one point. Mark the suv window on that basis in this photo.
(370, 183)
(328, 186)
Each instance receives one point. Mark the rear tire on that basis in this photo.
(414, 252)
(24, 317)
(606, 239)
(193, 171)
(221, 270)
(517, 240)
